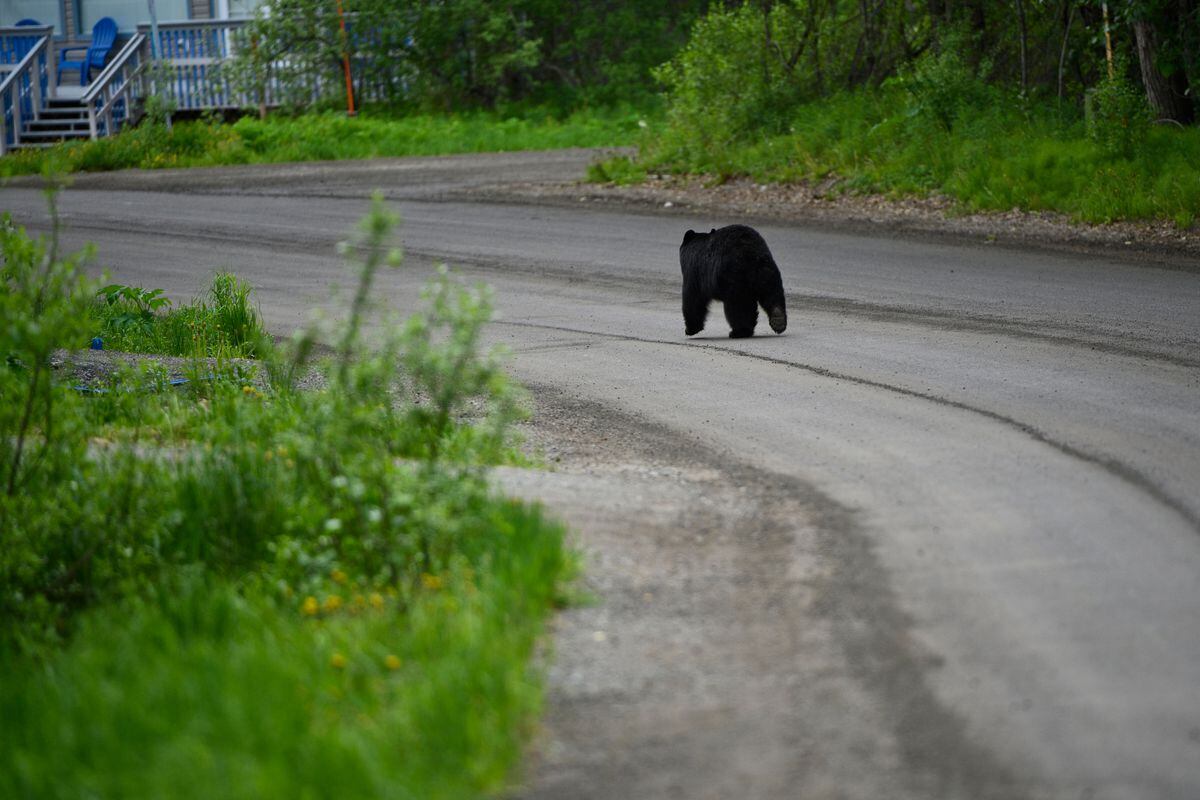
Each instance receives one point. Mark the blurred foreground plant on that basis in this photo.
(314, 589)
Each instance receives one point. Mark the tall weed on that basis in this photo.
(239, 588)
(225, 324)
(918, 139)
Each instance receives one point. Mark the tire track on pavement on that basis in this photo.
(1112, 466)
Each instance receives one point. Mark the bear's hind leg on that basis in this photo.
(771, 298)
(776, 313)
(695, 310)
(742, 315)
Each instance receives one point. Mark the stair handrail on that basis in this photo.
(95, 87)
(103, 85)
(13, 80)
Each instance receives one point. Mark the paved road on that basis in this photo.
(962, 492)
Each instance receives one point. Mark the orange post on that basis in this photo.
(350, 112)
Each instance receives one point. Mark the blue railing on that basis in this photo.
(116, 95)
(26, 80)
(193, 52)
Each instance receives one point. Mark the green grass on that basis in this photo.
(236, 588)
(225, 323)
(333, 135)
(994, 158)
(202, 689)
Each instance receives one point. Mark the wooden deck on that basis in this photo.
(193, 53)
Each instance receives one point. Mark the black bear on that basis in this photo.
(733, 265)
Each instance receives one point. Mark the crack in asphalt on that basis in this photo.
(940, 319)
(1112, 466)
(1059, 335)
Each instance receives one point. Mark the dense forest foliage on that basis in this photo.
(747, 62)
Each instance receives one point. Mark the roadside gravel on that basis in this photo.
(1157, 243)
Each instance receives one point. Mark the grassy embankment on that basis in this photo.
(331, 135)
(234, 587)
(997, 157)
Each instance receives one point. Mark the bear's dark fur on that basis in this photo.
(733, 265)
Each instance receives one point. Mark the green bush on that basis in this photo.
(238, 587)
(1118, 118)
(1004, 155)
(944, 87)
(722, 87)
(133, 319)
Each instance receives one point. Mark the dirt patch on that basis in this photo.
(741, 640)
(93, 369)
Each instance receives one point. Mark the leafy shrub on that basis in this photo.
(722, 86)
(134, 319)
(620, 170)
(131, 308)
(313, 591)
(1034, 155)
(1117, 115)
(943, 86)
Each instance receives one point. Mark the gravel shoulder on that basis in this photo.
(544, 180)
(731, 646)
(913, 555)
(1160, 244)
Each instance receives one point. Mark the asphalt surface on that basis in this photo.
(939, 539)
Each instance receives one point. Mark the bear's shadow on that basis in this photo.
(725, 337)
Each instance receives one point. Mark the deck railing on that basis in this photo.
(193, 53)
(194, 77)
(26, 79)
(115, 97)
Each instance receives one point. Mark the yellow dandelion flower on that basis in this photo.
(431, 581)
(338, 576)
(310, 606)
(392, 662)
(376, 600)
(338, 661)
(333, 602)
(268, 455)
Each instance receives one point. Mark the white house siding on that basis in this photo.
(44, 11)
(75, 18)
(128, 13)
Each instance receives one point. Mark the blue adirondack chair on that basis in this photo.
(104, 34)
(23, 44)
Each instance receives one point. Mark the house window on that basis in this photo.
(130, 13)
(237, 8)
(47, 13)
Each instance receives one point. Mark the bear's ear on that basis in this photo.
(687, 237)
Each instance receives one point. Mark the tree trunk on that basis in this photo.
(936, 10)
(1062, 54)
(1167, 95)
(1024, 32)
